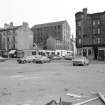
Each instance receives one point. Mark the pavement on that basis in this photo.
(30, 84)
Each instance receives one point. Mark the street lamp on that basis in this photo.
(35, 47)
(82, 30)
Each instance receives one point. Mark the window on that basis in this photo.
(55, 27)
(89, 51)
(93, 22)
(84, 52)
(79, 23)
(79, 41)
(79, 32)
(64, 38)
(47, 53)
(53, 53)
(37, 29)
(98, 22)
(59, 26)
(94, 40)
(34, 53)
(98, 30)
(93, 31)
(40, 53)
(13, 46)
(58, 53)
(98, 40)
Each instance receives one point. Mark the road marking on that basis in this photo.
(26, 78)
(23, 77)
(16, 76)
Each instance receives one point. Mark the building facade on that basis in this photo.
(15, 38)
(90, 34)
(60, 31)
(24, 38)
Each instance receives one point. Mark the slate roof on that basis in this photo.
(49, 24)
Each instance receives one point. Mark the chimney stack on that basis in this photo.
(85, 11)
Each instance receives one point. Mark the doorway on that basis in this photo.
(95, 49)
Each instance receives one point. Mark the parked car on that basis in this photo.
(50, 56)
(2, 59)
(34, 59)
(37, 58)
(21, 60)
(43, 59)
(27, 59)
(56, 57)
(80, 61)
(68, 57)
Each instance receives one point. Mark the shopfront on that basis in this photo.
(101, 53)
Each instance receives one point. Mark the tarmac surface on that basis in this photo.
(37, 84)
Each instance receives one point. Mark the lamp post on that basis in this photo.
(35, 47)
(82, 29)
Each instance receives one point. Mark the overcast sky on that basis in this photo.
(43, 11)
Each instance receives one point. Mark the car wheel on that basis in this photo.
(19, 62)
(87, 64)
(33, 61)
(29, 61)
(41, 62)
(84, 64)
(73, 64)
(24, 61)
(36, 62)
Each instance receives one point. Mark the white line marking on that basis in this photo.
(26, 78)
(16, 76)
(22, 77)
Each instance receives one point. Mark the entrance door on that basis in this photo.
(101, 55)
(95, 49)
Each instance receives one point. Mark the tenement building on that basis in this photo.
(58, 33)
(90, 34)
(15, 39)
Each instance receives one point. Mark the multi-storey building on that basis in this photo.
(7, 39)
(60, 31)
(15, 38)
(90, 34)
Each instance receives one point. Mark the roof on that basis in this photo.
(79, 13)
(49, 24)
(98, 13)
(90, 14)
(5, 29)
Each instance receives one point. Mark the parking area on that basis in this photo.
(39, 83)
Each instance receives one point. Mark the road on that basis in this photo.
(33, 84)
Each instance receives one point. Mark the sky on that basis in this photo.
(45, 11)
